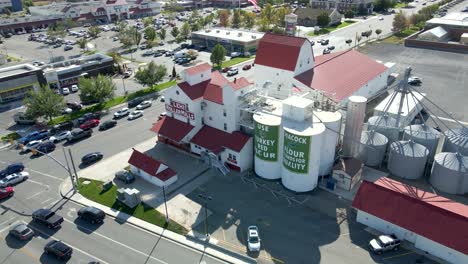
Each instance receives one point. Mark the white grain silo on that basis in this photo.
(354, 122)
(267, 141)
(407, 159)
(457, 141)
(450, 173)
(302, 143)
(424, 135)
(385, 125)
(373, 147)
(332, 122)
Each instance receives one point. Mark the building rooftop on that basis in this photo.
(17, 69)
(172, 128)
(151, 166)
(216, 140)
(391, 104)
(230, 34)
(452, 19)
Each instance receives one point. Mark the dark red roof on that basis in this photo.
(427, 214)
(198, 69)
(150, 165)
(172, 128)
(210, 90)
(216, 140)
(279, 51)
(353, 68)
(239, 84)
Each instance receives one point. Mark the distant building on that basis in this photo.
(15, 24)
(229, 3)
(232, 40)
(455, 20)
(151, 170)
(307, 17)
(344, 5)
(435, 34)
(16, 81)
(13, 5)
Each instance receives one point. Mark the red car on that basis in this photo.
(226, 69)
(247, 67)
(6, 192)
(90, 124)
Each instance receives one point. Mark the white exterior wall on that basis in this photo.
(193, 106)
(244, 158)
(373, 86)
(197, 78)
(4, 3)
(305, 60)
(420, 242)
(213, 115)
(152, 179)
(281, 80)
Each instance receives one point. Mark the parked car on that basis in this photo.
(90, 124)
(414, 80)
(127, 73)
(78, 134)
(74, 106)
(163, 99)
(12, 168)
(162, 115)
(169, 53)
(384, 243)
(65, 91)
(62, 135)
(144, 105)
(21, 232)
(91, 214)
(226, 69)
(135, 102)
(326, 51)
(91, 157)
(21, 118)
(45, 147)
(124, 176)
(121, 113)
(142, 47)
(324, 42)
(108, 124)
(31, 145)
(157, 54)
(6, 192)
(148, 53)
(36, 135)
(253, 239)
(331, 47)
(59, 249)
(74, 88)
(233, 72)
(247, 67)
(14, 178)
(135, 114)
(115, 39)
(57, 45)
(235, 54)
(64, 126)
(67, 47)
(88, 116)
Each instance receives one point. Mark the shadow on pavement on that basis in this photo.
(15, 243)
(50, 259)
(85, 226)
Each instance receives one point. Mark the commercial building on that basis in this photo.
(16, 81)
(307, 17)
(23, 24)
(455, 20)
(232, 40)
(229, 3)
(12, 5)
(151, 170)
(343, 5)
(65, 73)
(433, 223)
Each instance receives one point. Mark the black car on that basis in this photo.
(91, 157)
(88, 116)
(324, 42)
(331, 47)
(124, 176)
(91, 214)
(10, 169)
(135, 102)
(46, 147)
(78, 133)
(184, 45)
(157, 54)
(74, 106)
(68, 125)
(59, 249)
(108, 124)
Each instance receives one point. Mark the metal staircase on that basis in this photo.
(212, 160)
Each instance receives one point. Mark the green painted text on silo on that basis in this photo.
(266, 142)
(296, 153)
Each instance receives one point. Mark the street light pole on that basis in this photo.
(123, 83)
(205, 199)
(165, 204)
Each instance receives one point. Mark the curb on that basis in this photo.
(5, 146)
(206, 245)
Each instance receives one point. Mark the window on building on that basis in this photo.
(225, 126)
(201, 106)
(177, 92)
(201, 75)
(210, 118)
(308, 61)
(202, 121)
(224, 112)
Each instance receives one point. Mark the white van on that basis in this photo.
(180, 54)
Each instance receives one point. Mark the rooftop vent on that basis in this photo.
(254, 37)
(239, 34)
(227, 32)
(217, 31)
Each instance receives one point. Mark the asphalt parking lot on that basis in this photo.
(444, 74)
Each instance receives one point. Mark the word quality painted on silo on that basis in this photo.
(296, 152)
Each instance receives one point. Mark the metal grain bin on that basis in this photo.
(407, 159)
(373, 147)
(424, 135)
(450, 173)
(385, 125)
(457, 141)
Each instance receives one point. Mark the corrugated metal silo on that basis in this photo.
(332, 121)
(385, 125)
(450, 173)
(407, 159)
(424, 135)
(354, 121)
(457, 141)
(373, 147)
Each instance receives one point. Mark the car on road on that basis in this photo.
(66, 110)
(67, 47)
(115, 39)
(21, 232)
(90, 124)
(89, 116)
(65, 91)
(326, 51)
(14, 178)
(142, 47)
(247, 67)
(226, 69)
(134, 102)
(121, 113)
(74, 88)
(36, 135)
(169, 53)
(135, 114)
(157, 54)
(331, 47)
(91, 214)
(12, 168)
(348, 41)
(162, 115)
(75, 106)
(163, 99)
(78, 134)
(384, 243)
(57, 45)
(64, 126)
(148, 53)
(45, 147)
(233, 72)
(324, 42)
(381, 18)
(6, 192)
(107, 125)
(127, 73)
(253, 239)
(62, 135)
(124, 176)
(414, 80)
(144, 105)
(31, 145)
(91, 157)
(235, 54)
(312, 43)
(59, 249)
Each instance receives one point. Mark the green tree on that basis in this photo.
(96, 89)
(267, 14)
(56, 31)
(115, 56)
(218, 55)
(349, 13)
(383, 5)
(69, 23)
(263, 25)
(147, 21)
(121, 26)
(185, 30)
(399, 22)
(323, 19)
(236, 19)
(280, 14)
(249, 19)
(208, 20)
(194, 15)
(378, 32)
(150, 34)
(162, 34)
(224, 17)
(82, 43)
(94, 31)
(43, 103)
(196, 25)
(179, 39)
(151, 75)
(175, 32)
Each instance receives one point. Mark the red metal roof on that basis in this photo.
(239, 83)
(353, 68)
(216, 140)
(150, 165)
(279, 51)
(172, 128)
(427, 214)
(210, 90)
(198, 69)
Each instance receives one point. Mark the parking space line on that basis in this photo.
(47, 175)
(8, 226)
(26, 252)
(43, 202)
(399, 255)
(39, 183)
(34, 195)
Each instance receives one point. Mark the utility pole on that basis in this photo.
(69, 170)
(74, 168)
(165, 205)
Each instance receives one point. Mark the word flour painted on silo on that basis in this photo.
(266, 142)
(296, 152)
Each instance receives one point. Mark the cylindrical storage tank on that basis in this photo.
(385, 125)
(450, 173)
(266, 146)
(457, 141)
(407, 159)
(332, 122)
(373, 147)
(301, 148)
(354, 121)
(424, 135)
